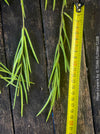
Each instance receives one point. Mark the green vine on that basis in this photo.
(21, 66)
(54, 81)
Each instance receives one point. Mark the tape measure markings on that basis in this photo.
(77, 35)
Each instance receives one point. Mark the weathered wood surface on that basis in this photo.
(85, 119)
(6, 124)
(92, 44)
(43, 27)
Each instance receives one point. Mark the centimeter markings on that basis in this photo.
(77, 34)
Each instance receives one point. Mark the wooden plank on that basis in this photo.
(92, 40)
(6, 124)
(29, 124)
(85, 119)
(51, 23)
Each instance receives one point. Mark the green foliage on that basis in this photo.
(54, 81)
(20, 75)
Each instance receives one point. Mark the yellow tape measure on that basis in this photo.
(77, 35)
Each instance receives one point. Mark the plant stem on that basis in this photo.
(61, 25)
(23, 13)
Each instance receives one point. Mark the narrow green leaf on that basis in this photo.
(32, 82)
(58, 80)
(19, 44)
(28, 77)
(31, 46)
(13, 78)
(65, 3)
(54, 3)
(24, 88)
(4, 71)
(9, 78)
(6, 2)
(4, 67)
(47, 102)
(46, 3)
(16, 93)
(18, 58)
(52, 102)
(5, 79)
(68, 16)
(64, 29)
(54, 66)
(25, 72)
(17, 70)
(54, 93)
(21, 93)
(56, 52)
(64, 53)
(19, 52)
(26, 55)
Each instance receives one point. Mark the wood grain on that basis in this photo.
(6, 124)
(92, 32)
(85, 119)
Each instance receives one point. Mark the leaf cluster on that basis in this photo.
(20, 75)
(22, 68)
(54, 81)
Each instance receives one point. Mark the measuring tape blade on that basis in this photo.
(76, 48)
